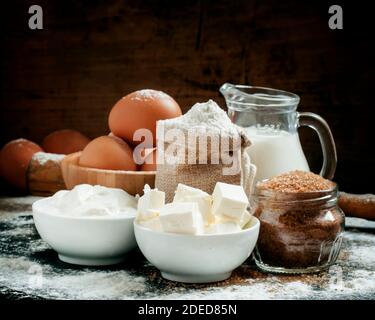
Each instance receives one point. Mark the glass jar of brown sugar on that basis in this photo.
(301, 223)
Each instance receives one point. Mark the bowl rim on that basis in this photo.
(66, 161)
(251, 229)
(37, 210)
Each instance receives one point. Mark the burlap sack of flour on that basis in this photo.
(201, 148)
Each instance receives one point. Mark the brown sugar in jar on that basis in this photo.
(301, 224)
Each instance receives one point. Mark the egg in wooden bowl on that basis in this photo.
(130, 181)
(125, 158)
(141, 110)
(106, 161)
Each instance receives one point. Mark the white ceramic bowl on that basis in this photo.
(91, 241)
(197, 258)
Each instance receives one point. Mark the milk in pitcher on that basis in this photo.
(271, 119)
(275, 151)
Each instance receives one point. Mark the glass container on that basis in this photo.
(299, 232)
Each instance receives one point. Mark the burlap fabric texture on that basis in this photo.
(224, 160)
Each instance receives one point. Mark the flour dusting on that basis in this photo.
(208, 116)
(28, 265)
(43, 157)
(41, 280)
(149, 94)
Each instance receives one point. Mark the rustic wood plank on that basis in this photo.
(91, 53)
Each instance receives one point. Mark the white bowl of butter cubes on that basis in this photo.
(198, 237)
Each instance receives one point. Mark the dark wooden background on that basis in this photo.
(91, 53)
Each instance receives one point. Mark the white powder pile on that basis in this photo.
(43, 157)
(207, 115)
(149, 94)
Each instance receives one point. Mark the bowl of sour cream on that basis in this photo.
(88, 225)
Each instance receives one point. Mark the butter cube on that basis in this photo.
(181, 217)
(229, 201)
(246, 217)
(223, 227)
(186, 193)
(241, 223)
(150, 203)
(153, 224)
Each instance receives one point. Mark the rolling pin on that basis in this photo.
(358, 205)
(44, 176)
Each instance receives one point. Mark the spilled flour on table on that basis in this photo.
(22, 269)
(30, 266)
(353, 277)
(13, 201)
(36, 279)
(15, 206)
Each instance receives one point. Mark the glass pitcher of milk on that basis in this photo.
(270, 118)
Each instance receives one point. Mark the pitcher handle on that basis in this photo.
(321, 127)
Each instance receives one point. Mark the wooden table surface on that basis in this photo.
(30, 269)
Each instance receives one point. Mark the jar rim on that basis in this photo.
(298, 197)
(258, 97)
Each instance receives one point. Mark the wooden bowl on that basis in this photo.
(130, 181)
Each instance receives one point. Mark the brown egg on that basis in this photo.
(108, 152)
(14, 160)
(150, 156)
(65, 141)
(141, 109)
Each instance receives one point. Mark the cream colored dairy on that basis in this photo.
(181, 217)
(150, 203)
(222, 227)
(190, 217)
(92, 201)
(186, 193)
(245, 218)
(152, 223)
(274, 152)
(229, 201)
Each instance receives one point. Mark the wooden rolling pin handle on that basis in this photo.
(44, 178)
(358, 205)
